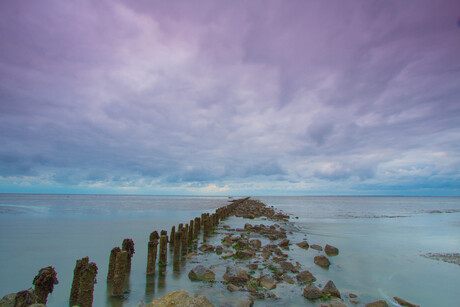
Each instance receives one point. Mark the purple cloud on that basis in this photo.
(231, 97)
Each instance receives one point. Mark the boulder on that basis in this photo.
(284, 243)
(267, 283)
(334, 303)
(380, 303)
(236, 276)
(303, 244)
(21, 298)
(232, 287)
(305, 277)
(403, 302)
(255, 243)
(219, 249)
(180, 298)
(317, 247)
(331, 289)
(322, 261)
(201, 273)
(331, 250)
(206, 248)
(288, 266)
(311, 292)
(288, 279)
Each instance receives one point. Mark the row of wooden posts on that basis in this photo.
(180, 241)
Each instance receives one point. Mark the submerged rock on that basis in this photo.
(236, 276)
(322, 261)
(201, 273)
(331, 289)
(380, 303)
(403, 302)
(317, 247)
(267, 283)
(334, 303)
(331, 250)
(305, 277)
(303, 244)
(180, 298)
(311, 292)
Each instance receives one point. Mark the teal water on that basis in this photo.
(380, 240)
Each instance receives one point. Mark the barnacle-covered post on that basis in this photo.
(120, 273)
(44, 283)
(87, 281)
(152, 252)
(81, 263)
(128, 246)
(112, 260)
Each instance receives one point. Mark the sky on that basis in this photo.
(230, 97)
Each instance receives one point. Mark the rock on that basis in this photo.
(288, 279)
(303, 244)
(206, 248)
(21, 298)
(380, 303)
(331, 250)
(305, 277)
(246, 302)
(252, 266)
(288, 266)
(317, 247)
(244, 254)
(219, 249)
(252, 286)
(236, 276)
(352, 295)
(232, 287)
(331, 289)
(334, 303)
(311, 292)
(354, 302)
(255, 243)
(403, 302)
(267, 283)
(201, 273)
(284, 243)
(180, 298)
(322, 261)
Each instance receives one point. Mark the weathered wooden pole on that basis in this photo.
(120, 273)
(177, 239)
(180, 227)
(44, 283)
(81, 263)
(163, 253)
(197, 227)
(112, 260)
(171, 239)
(87, 280)
(185, 239)
(152, 253)
(191, 230)
(128, 246)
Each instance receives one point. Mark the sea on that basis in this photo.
(381, 240)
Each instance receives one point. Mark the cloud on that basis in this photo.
(160, 95)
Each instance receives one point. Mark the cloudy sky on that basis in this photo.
(230, 97)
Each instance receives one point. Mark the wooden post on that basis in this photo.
(87, 280)
(128, 246)
(177, 239)
(191, 229)
(120, 273)
(81, 263)
(185, 239)
(163, 253)
(197, 227)
(152, 253)
(171, 239)
(112, 260)
(44, 284)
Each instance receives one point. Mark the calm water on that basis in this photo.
(380, 239)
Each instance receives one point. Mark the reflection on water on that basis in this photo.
(378, 257)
